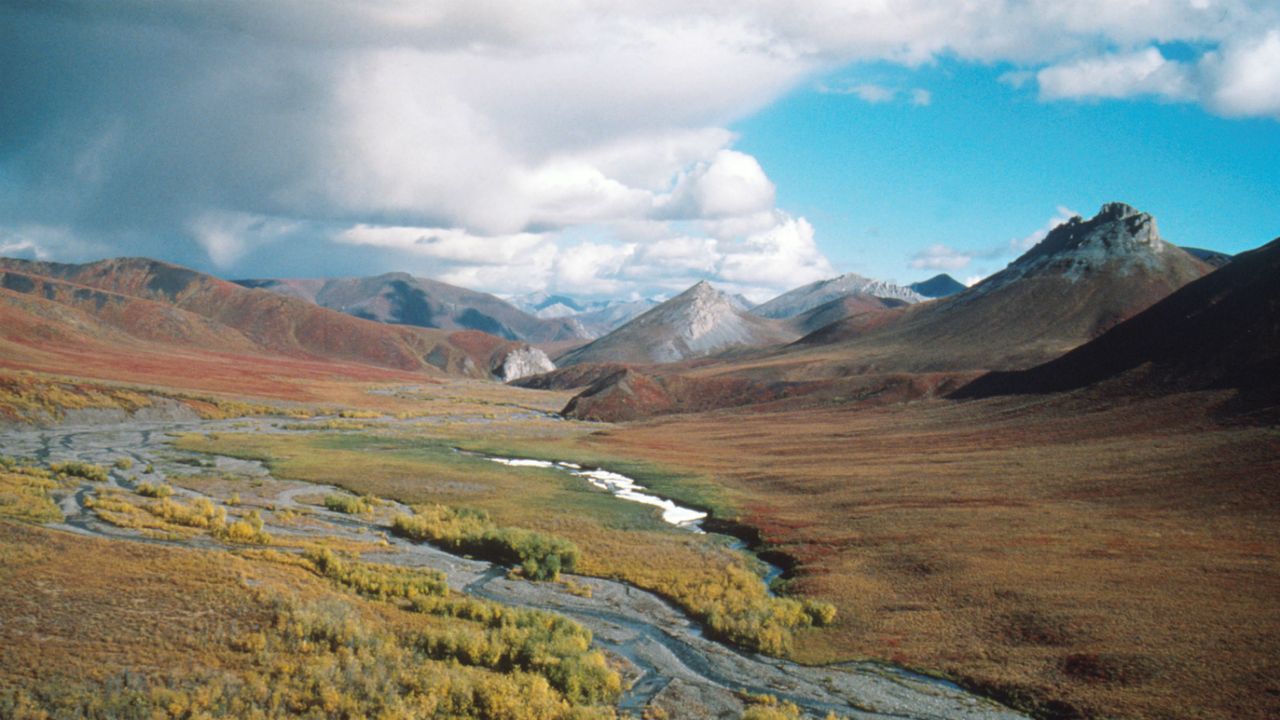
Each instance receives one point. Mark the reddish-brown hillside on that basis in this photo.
(1222, 331)
(1085, 277)
(117, 317)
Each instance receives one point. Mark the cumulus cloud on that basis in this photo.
(1145, 72)
(782, 256)
(941, 257)
(1244, 78)
(730, 185)
(1239, 79)
(509, 142)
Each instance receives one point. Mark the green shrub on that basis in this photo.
(247, 530)
(539, 556)
(153, 490)
(75, 468)
(349, 504)
(123, 463)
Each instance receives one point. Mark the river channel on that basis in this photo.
(670, 661)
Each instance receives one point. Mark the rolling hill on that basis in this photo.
(143, 320)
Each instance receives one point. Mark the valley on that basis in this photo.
(663, 654)
(1051, 495)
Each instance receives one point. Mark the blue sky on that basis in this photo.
(984, 163)
(627, 150)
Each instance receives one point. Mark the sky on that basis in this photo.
(633, 148)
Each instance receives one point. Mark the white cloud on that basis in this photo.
(445, 244)
(1240, 79)
(1145, 72)
(529, 143)
(730, 185)
(940, 257)
(45, 242)
(226, 236)
(872, 93)
(783, 256)
(1245, 77)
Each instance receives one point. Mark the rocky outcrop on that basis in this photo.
(523, 362)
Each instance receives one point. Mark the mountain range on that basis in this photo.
(403, 299)
(141, 319)
(700, 349)
(1084, 278)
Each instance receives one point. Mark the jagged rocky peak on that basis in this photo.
(1120, 238)
(1117, 231)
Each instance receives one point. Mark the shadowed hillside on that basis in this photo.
(1222, 331)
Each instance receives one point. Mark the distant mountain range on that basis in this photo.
(403, 299)
(703, 348)
(1082, 279)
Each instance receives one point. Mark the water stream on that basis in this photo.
(666, 651)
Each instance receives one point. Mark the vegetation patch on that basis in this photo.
(153, 490)
(24, 493)
(75, 468)
(539, 556)
(166, 517)
(349, 504)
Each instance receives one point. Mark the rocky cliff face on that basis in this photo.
(1119, 240)
(523, 362)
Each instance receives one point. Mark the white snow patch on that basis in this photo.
(621, 487)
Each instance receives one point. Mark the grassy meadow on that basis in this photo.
(1073, 558)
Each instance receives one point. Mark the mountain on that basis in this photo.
(698, 322)
(402, 299)
(807, 297)
(613, 315)
(1212, 257)
(938, 286)
(1221, 331)
(1085, 277)
(139, 313)
(871, 310)
(548, 306)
